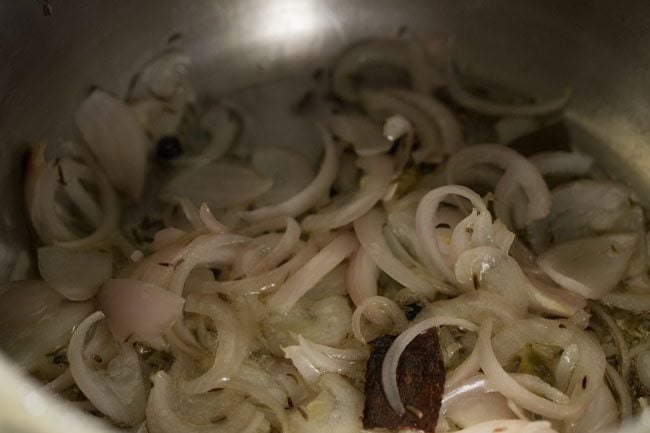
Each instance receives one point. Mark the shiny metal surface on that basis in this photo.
(600, 49)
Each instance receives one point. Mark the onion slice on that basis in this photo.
(119, 392)
(368, 229)
(467, 100)
(137, 310)
(220, 184)
(384, 104)
(363, 134)
(590, 267)
(448, 125)
(75, 274)
(306, 278)
(304, 200)
(121, 151)
(379, 170)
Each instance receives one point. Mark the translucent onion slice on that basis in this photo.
(467, 100)
(587, 207)
(321, 359)
(476, 306)
(163, 77)
(378, 173)
(391, 360)
(519, 172)
(510, 426)
(119, 391)
(494, 270)
(585, 380)
(232, 348)
(75, 274)
(361, 132)
(259, 283)
(601, 415)
(384, 104)
(291, 173)
(137, 310)
(122, 152)
(281, 251)
(448, 125)
(426, 223)
(361, 278)
(562, 164)
(380, 310)
(167, 402)
(306, 278)
(368, 229)
(337, 407)
(309, 196)
(590, 267)
(220, 184)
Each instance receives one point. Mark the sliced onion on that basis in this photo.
(564, 164)
(337, 407)
(587, 207)
(281, 251)
(305, 278)
(362, 133)
(220, 184)
(396, 126)
(210, 222)
(164, 413)
(233, 343)
(48, 215)
(448, 125)
(75, 274)
(310, 195)
(36, 321)
(208, 250)
(602, 415)
(25, 302)
(260, 283)
(519, 173)
(494, 270)
(291, 173)
(426, 223)
(368, 229)
(321, 359)
(137, 310)
(384, 104)
(361, 279)
(590, 267)
(476, 306)
(620, 386)
(587, 376)
(121, 151)
(467, 100)
(163, 77)
(552, 300)
(379, 170)
(510, 426)
(391, 360)
(223, 126)
(380, 310)
(119, 391)
(623, 355)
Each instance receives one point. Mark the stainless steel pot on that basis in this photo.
(600, 49)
